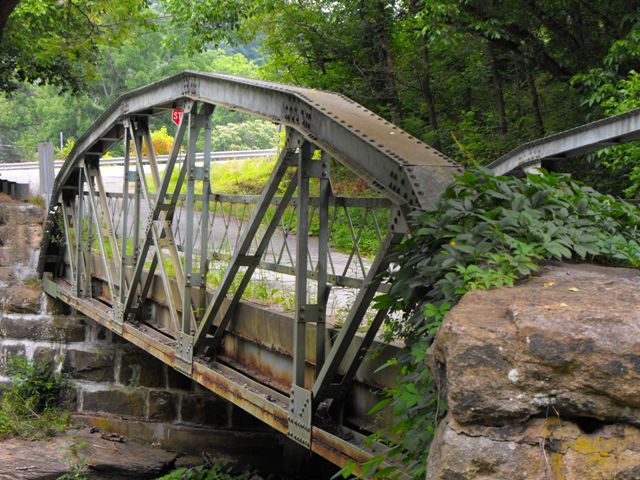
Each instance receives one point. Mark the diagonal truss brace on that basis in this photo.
(324, 387)
(152, 235)
(240, 257)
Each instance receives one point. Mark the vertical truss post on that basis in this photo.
(184, 337)
(137, 190)
(302, 242)
(88, 247)
(186, 326)
(323, 251)
(67, 237)
(204, 213)
(78, 222)
(125, 260)
(300, 399)
(129, 176)
(323, 386)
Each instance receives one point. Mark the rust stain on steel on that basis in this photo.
(256, 374)
(252, 358)
(335, 449)
(151, 345)
(252, 402)
(241, 391)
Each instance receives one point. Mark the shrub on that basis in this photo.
(487, 232)
(161, 140)
(31, 406)
(249, 135)
(218, 471)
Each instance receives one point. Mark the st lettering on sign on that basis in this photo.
(176, 115)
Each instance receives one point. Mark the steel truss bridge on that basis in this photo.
(177, 273)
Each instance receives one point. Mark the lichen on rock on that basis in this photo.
(523, 369)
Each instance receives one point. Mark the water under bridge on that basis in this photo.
(179, 270)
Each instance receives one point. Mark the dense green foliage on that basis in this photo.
(59, 42)
(474, 78)
(487, 232)
(36, 112)
(31, 405)
(249, 135)
(218, 471)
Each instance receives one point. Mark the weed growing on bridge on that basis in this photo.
(487, 232)
(31, 405)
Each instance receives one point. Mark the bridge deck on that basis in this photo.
(338, 445)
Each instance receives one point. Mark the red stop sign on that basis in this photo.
(176, 115)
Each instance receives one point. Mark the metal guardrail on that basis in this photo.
(215, 156)
(581, 140)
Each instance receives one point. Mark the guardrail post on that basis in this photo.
(47, 172)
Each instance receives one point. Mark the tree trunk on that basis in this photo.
(428, 93)
(535, 99)
(391, 87)
(425, 81)
(6, 7)
(497, 86)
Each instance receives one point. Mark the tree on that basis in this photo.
(58, 42)
(452, 72)
(36, 113)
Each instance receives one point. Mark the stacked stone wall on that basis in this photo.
(115, 385)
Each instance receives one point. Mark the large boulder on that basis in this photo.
(565, 344)
(540, 449)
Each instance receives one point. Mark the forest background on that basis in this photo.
(474, 78)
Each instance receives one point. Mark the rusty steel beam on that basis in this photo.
(264, 403)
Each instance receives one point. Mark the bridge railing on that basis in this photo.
(356, 231)
(223, 242)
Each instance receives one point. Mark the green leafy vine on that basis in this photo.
(487, 232)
